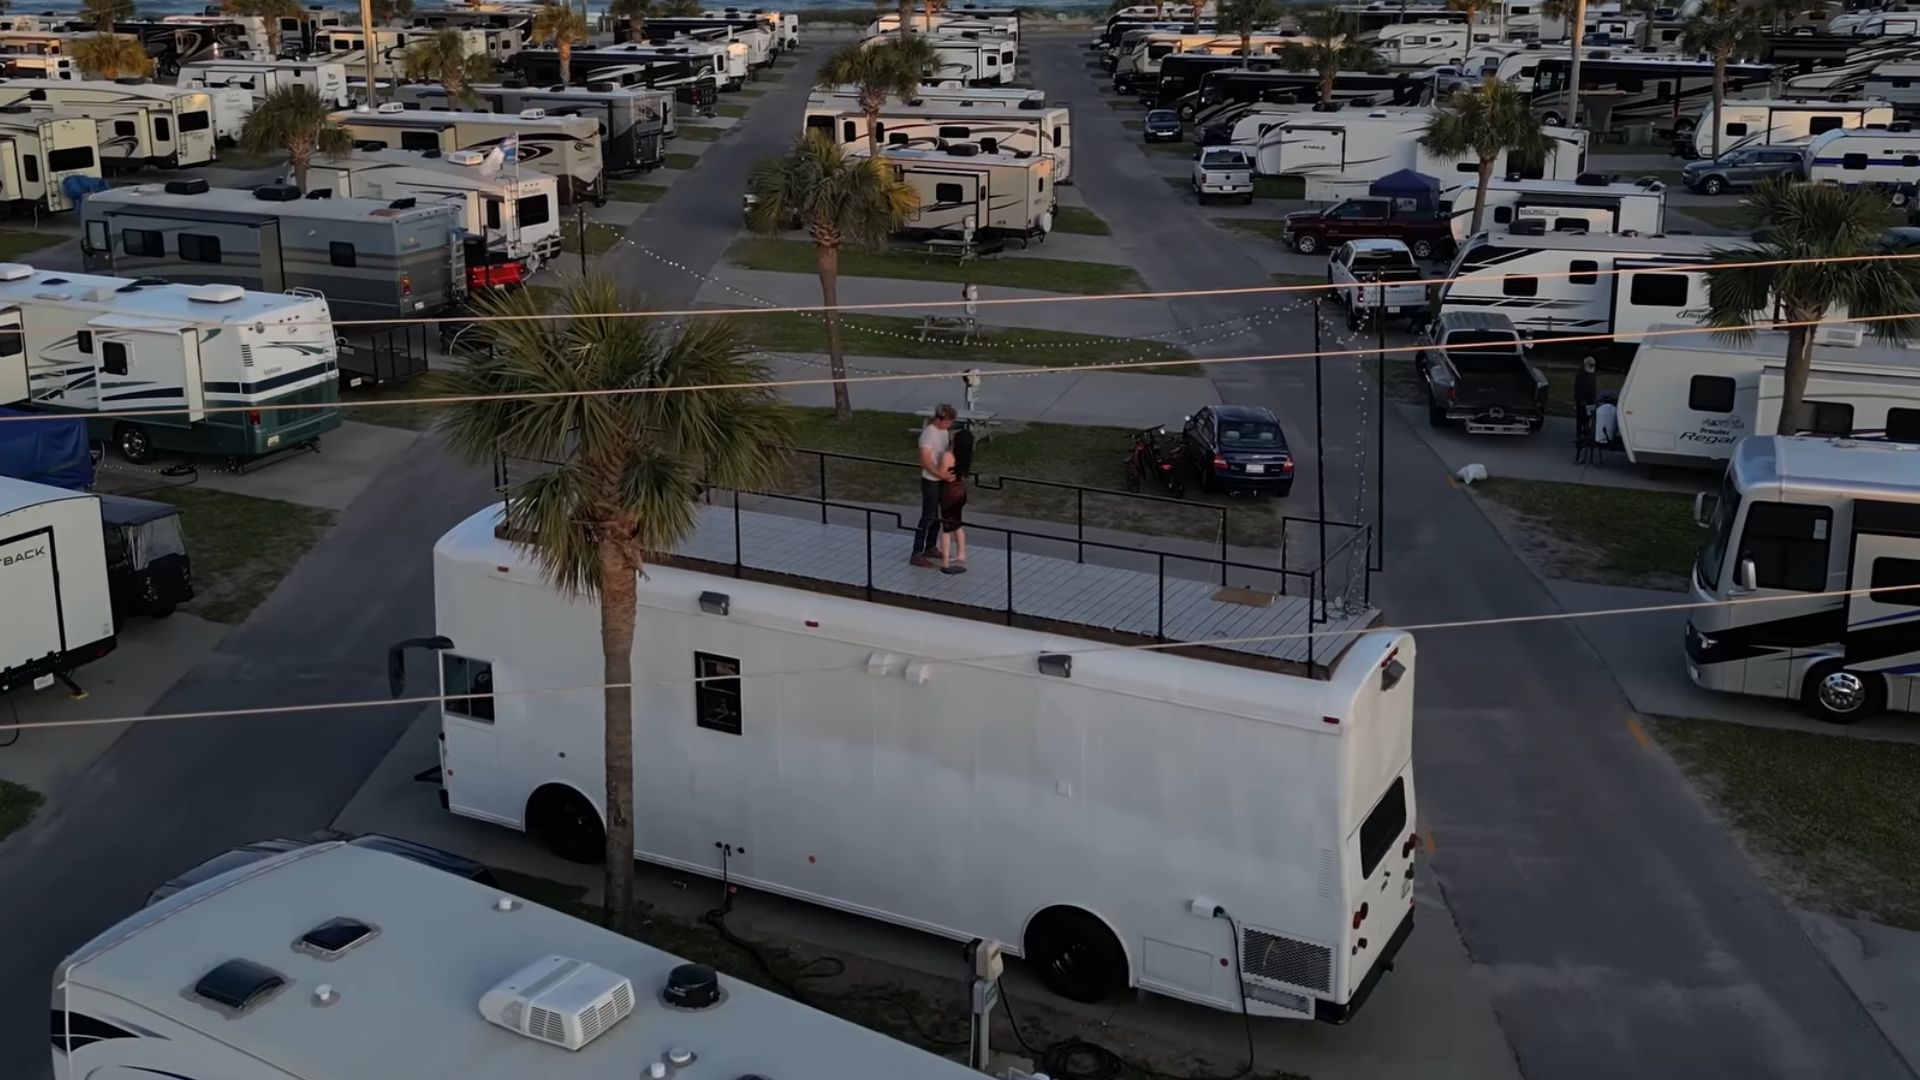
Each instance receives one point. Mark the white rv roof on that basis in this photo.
(170, 303)
(408, 998)
(156, 91)
(20, 494)
(1612, 242)
(1870, 356)
(411, 117)
(415, 167)
(237, 201)
(1785, 467)
(1558, 187)
(1807, 104)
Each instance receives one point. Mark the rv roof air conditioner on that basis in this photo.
(533, 114)
(466, 157)
(390, 107)
(216, 294)
(277, 193)
(15, 271)
(1589, 179)
(556, 1000)
(195, 186)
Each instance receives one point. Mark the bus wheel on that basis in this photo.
(567, 824)
(133, 442)
(1076, 955)
(1838, 696)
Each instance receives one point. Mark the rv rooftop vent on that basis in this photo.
(962, 149)
(390, 107)
(335, 936)
(131, 80)
(195, 186)
(533, 114)
(238, 984)
(105, 295)
(466, 157)
(560, 1001)
(405, 203)
(15, 271)
(216, 294)
(692, 987)
(1591, 179)
(277, 193)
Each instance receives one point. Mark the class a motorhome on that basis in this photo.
(39, 152)
(1562, 285)
(1866, 157)
(370, 258)
(1691, 397)
(961, 188)
(137, 123)
(1019, 132)
(1808, 585)
(220, 365)
(172, 45)
(279, 959)
(53, 582)
(633, 119)
(733, 57)
(763, 40)
(1423, 45)
(1639, 89)
(248, 32)
(566, 148)
(1767, 122)
(1362, 146)
(1557, 206)
(1139, 70)
(508, 217)
(328, 80)
(701, 58)
(1225, 97)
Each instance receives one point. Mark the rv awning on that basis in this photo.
(1406, 186)
(113, 321)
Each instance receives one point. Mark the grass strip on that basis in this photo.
(885, 335)
(241, 546)
(1013, 272)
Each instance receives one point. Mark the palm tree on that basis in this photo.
(443, 58)
(1485, 121)
(564, 27)
(636, 12)
(927, 8)
(1329, 43)
(1813, 221)
(1243, 17)
(294, 119)
(877, 71)
(1472, 9)
(386, 11)
(1721, 28)
(840, 200)
(111, 56)
(102, 14)
(1561, 11)
(627, 470)
(270, 12)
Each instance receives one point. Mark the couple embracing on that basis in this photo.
(946, 457)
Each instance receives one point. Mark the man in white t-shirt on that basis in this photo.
(934, 439)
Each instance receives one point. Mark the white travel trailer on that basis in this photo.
(980, 62)
(1691, 397)
(262, 77)
(26, 66)
(346, 45)
(889, 23)
(944, 95)
(53, 582)
(515, 217)
(39, 152)
(958, 776)
(231, 107)
(136, 123)
(960, 188)
(1868, 157)
(1823, 530)
(1140, 68)
(1564, 285)
(1562, 207)
(1766, 122)
(88, 343)
(566, 148)
(1362, 146)
(1424, 44)
(1015, 131)
(233, 973)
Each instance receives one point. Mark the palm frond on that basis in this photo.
(819, 183)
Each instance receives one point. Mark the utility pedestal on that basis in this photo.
(983, 956)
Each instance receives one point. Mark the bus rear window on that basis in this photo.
(1383, 827)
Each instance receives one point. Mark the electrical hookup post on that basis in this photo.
(983, 993)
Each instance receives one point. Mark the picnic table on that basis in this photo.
(965, 328)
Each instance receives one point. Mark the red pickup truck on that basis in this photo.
(1427, 234)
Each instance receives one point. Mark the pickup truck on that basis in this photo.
(1383, 278)
(1222, 170)
(1427, 234)
(1488, 385)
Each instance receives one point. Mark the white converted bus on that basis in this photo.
(1115, 816)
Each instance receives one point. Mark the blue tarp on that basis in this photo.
(77, 188)
(46, 450)
(1408, 189)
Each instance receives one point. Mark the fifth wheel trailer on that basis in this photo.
(1138, 809)
(959, 188)
(1562, 206)
(53, 584)
(1016, 131)
(1355, 147)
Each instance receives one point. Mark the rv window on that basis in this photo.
(1520, 286)
(947, 193)
(898, 138)
(1383, 827)
(123, 128)
(1467, 167)
(848, 132)
(113, 358)
(1710, 393)
(1502, 215)
(493, 213)
(419, 140)
(10, 341)
(533, 210)
(953, 132)
(820, 123)
(30, 168)
(1736, 129)
(1788, 545)
(147, 242)
(1659, 290)
(1901, 579)
(1903, 425)
(461, 676)
(342, 254)
(71, 159)
(193, 121)
(195, 247)
(716, 699)
(83, 340)
(1635, 86)
(162, 130)
(1853, 161)
(1831, 418)
(1825, 123)
(1583, 272)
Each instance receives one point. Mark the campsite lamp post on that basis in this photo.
(366, 41)
(580, 233)
(1380, 430)
(1319, 452)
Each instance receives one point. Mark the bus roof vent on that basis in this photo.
(15, 271)
(238, 985)
(195, 186)
(567, 1003)
(390, 107)
(533, 114)
(216, 294)
(466, 157)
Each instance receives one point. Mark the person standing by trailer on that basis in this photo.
(958, 462)
(934, 443)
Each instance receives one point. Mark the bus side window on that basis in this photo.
(1383, 827)
(462, 676)
(1788, 544)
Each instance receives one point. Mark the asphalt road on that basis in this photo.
(1619, 929)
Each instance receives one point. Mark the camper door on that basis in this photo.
(1648, 293)
(1883, 619)
(143, 367)
(948, 199)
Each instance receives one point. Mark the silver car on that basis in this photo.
(1741, 168)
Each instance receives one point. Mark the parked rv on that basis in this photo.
(960, 187)
(691, 83)
(137, 123)
(1766, 122)
(346, 45)
(1021, 131)
(1664, 91)
(1888, 161)
(1354, 149)
(23, 66)
(1821, 529)
(633, 119)
(369, 258)
(566, 148)
(1586, 205)
(946, 95)
(40, 154)
(53, 585)
(1690, 398)
(326, 79)
(505, 217)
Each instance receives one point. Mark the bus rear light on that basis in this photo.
(253, 417)
(1360, 916)
(406, 284)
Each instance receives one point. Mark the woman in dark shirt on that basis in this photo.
(953, 499)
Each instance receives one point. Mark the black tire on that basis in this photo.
(1536, 423)
(1712, 185)
(1186, 112)
(1075, 955)
(1836, 694)
(566, 824)
(1897, 197)
(1551, 119)
(1306, 243)
(1422, 249)
(133, 443)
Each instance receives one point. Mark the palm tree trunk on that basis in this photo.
(873, 133)
(1573, 64)
(1326, 85)
(828, 258)
(565, 49)
(1246, 45)
(301, 160)
(636, 28)
(1719, 97)
(928, 8)
(618, 597)
(906, 18)
(1793, 388)
(1480, 192)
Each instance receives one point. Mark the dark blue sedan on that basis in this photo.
(1163, 125)
(1239, 448)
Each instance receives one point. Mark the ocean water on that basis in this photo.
(197, 7)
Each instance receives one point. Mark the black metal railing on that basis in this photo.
(378, 356)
